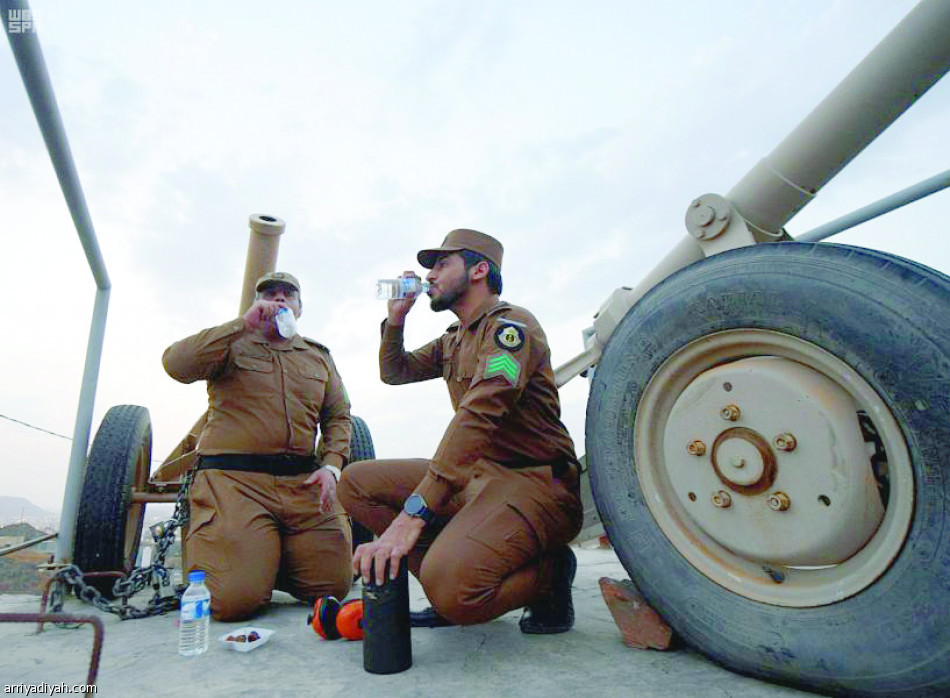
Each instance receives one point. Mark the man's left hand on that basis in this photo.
(324, 478)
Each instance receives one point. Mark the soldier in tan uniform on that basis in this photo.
(486, 521)
(263, 515)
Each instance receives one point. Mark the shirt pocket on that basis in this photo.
(308, 382)
(449, 352)
(258, 364)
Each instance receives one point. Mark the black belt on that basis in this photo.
(272, 464)
(558, 468)
(561, 468)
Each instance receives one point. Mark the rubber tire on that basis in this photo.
(361, 445)
(361, 448)
(109, 526)
(887, 318)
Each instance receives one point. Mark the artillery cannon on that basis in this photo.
(767, 427)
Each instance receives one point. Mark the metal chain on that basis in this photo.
(155, 574)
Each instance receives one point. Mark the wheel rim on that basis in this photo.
(708, 547)
(138, 481)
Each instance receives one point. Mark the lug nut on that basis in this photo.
(784, 442)
(730, 413)
(779, 501)
(721, 499)
(696, 448)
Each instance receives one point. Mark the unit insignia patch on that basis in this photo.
(510, 337)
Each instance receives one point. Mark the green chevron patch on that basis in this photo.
(504, 365)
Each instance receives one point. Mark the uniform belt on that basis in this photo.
(561, 468)
(558, 469)
(271, 463)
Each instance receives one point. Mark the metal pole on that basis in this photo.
(878, 208)
(77, 455)
(29, 59)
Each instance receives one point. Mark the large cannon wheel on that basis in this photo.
(109, 524)
(768, 434)
(361, 448)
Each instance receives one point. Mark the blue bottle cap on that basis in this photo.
(196, 576)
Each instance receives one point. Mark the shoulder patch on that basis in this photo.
(509, 321)
(315, 343)
(504, 365)
(509, 336)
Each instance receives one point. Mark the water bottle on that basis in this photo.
(403, 287)
(195, 616)
(286, 323)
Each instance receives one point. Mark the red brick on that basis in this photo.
(641, 626)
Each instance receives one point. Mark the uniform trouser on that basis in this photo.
(254, 532)
(489, 551)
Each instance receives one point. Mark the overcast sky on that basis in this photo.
(575, 132)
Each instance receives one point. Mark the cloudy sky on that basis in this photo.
(575, 132)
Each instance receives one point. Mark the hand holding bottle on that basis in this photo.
(402, 294)
(262, 311)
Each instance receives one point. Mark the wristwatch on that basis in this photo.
(334, 471)
(416, 507)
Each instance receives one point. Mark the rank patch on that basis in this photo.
(503, 365)
(510, 337)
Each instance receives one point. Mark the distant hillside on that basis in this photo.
(17, 509)
(18, 570)
(21, 529)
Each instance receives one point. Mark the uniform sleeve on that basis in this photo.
(397, 366)
(202, 355)
(504, 367)
(336, 428)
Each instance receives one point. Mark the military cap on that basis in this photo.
(277, 277)
(464, 239)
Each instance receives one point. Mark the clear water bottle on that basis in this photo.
(403, 287)
(195, 616)
(286, 323)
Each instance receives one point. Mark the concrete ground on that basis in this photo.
(140, 656)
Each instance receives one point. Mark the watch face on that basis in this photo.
(415, 505)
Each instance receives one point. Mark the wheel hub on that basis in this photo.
(787, 479)
(743, 461)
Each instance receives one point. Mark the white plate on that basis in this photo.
(245, 646)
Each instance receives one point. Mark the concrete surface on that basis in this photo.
(140, 656)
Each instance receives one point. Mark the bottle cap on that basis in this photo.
(196, 576)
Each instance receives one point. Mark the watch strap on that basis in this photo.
(334, 471)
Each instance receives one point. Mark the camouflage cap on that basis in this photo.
(464, 239)
(277, 277)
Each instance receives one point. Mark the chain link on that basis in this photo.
(155, 574)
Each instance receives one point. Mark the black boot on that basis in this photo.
(555, 612)
(428, 619)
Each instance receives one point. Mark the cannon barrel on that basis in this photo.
(894, 75)
(897, 72)
(262, 249)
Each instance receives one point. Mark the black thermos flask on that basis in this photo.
(387, 646)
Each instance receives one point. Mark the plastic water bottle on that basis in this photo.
(403, 287)
(286, 323)
(195, 616)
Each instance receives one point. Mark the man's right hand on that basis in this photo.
(387, 550)
(260, 312)
(398, 309)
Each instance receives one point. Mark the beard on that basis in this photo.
(451, 295)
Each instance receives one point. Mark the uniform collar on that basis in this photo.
(488, 306)
(296, 342)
